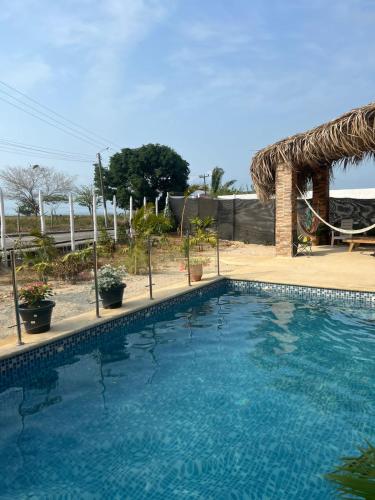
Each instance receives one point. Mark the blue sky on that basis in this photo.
(215, 80)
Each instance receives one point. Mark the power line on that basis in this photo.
(77, 132)
(42, 149)
(43, 155)
(68, 130)
(92, 143)
(76, 125)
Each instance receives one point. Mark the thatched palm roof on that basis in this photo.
(347, 140)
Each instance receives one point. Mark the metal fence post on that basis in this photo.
(149, 267)
(188, 256)
(15, 297)
(234, 217)
(95, 258)
(218, 252)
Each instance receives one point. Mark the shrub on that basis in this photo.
(70, 265)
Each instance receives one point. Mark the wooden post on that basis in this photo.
(131, 215)
(94, 220)
(115, 237)
(3, 241)
(166, 208)
(71, 220)
(41, 214)
(286, 210)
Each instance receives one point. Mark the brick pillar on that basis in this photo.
(286, 210)
(320, 200)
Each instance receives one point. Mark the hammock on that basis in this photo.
(338, 229)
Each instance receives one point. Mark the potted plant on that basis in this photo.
(110, 285)
(196, 268)
(36, 309)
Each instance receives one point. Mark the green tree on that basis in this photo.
(216, 183)
(146, 171)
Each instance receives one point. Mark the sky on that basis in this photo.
(215, 80)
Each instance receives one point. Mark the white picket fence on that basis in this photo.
(3, 238)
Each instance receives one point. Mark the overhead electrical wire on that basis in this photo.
(41, 149)
(92, 143)
(44, 156)
(59, 122)
(50, 110)
(18, 148)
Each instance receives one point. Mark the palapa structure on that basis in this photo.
(278, 169)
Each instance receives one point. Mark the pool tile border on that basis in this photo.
(365, 299)
(19, 364)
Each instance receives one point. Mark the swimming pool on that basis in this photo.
(232, 394)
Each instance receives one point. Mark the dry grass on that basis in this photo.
(347, 140)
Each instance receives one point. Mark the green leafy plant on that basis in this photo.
(72, 264)
(34, 293)
(106, 244)
(146, 223)
(355, 477)
(201, 233)
(197, 261)
(136, 257)
(110, 277)
(40, 256)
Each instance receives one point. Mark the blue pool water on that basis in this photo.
(237, 396)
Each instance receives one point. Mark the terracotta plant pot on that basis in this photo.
(37, 319)
(112, 299)
(196, 272)
(182, 266)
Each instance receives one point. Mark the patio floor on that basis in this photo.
(330, 267)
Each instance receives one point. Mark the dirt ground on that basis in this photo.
(74, 299)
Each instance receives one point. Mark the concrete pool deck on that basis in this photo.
(327, 268)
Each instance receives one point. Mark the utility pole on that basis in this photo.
(102, 189)
(204, 177)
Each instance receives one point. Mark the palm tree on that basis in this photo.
(216, 186)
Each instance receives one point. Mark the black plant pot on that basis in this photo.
(37, 319)
(112, 299)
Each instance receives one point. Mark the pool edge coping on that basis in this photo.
(116, 314)
(110, 315)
